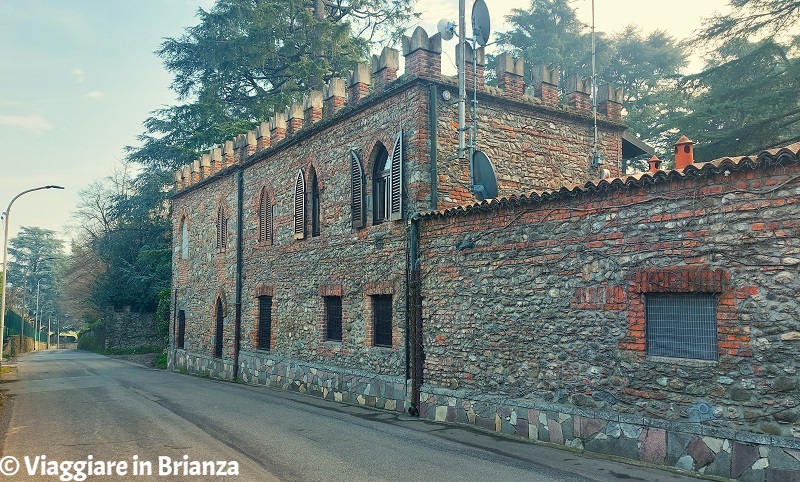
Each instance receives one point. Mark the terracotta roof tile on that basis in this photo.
(790, 153)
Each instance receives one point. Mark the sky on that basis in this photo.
(78, 78)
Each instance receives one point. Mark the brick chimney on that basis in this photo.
(579, 91)
(334, 97)
(359, 80)
(654, 163)
(609, 102)
(684, 152)
(385, 67)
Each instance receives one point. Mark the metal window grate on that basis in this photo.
(219, 332)
(180, 342)
(682, 325)
(382, 311)
(333, 315)
(264, 322)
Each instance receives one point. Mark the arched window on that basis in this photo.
(264, 217)
(381, 183)
(218, 331)
(222, 228)
(300, 206)
(184, 238)
(314, 201)
(387, 182)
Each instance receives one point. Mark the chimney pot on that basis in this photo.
(684, 152)
(654, 163)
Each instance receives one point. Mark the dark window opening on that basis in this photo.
(181, 336)
(681, 325)
(218, 333)
(382, 313)
(315, 211)
(333, 318)
(264, 322)
(381, 186)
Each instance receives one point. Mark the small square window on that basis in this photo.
(682, 325)
(333, 318)
(382, 313)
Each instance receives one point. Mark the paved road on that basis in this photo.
(70, 406)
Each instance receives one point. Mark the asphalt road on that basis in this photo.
(70, 406)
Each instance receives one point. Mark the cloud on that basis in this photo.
(78, 74)
(34, 123)
(95, 94)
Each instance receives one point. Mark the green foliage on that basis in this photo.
(162, 313)
(87, 342)
(161, 360)
(770, 19)
(746, 101)
(646, 67)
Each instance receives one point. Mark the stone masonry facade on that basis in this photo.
(532, 317)
(535, 321)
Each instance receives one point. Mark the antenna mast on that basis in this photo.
(595, 162)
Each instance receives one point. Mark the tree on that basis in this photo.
(646, 67)
(748, 97)
(247, 59)
(37, 255)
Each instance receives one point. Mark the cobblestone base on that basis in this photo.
(318, 380)
(689, 446)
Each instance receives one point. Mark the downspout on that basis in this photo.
(239, 236)
(434, 126)
(415, 318)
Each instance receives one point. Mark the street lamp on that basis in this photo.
(5, 263)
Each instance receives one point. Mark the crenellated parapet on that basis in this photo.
(422, 60)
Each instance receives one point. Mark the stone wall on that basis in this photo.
(538, 304)
(126, 329)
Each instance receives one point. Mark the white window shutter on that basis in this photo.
(300, 206)
(396, 179)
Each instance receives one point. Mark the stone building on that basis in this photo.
(339, 251)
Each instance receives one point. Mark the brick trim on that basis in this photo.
(379, 288)
(733, 337)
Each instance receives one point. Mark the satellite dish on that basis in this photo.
(485, 184)
(445, 28)
(481, 28)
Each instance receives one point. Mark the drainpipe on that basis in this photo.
(238, 314)
(415, 317)
(433, 137)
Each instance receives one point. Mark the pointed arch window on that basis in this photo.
(222, 228)
(265, 217)
(184, 238)
(300, 206)
(314, 202)
(387, 185)
(357, 191)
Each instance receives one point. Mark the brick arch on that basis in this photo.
(368, 159)
(220, 295)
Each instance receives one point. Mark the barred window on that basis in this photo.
(333, 318)
(681, 325)
(264, 322)
(218, 331)
(180, 338)
(382, 318)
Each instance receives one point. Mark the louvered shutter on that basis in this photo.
(262, 216)
(300, 206)
(357, 190)
(268, 218)
(396, 180)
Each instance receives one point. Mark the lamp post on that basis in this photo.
(5, 263)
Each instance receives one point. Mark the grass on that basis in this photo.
(161, 360)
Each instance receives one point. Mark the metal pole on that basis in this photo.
(58, 333)
(462, 87)
(36, 316)
(49, 317)
(5, 263)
